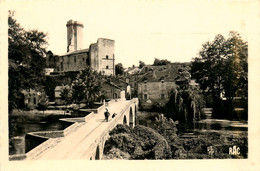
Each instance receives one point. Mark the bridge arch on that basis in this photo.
(135, 114)
(125, 120)
(97, 156)
(131, 118)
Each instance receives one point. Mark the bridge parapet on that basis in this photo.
(87, 137)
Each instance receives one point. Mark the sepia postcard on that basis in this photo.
(129, 85)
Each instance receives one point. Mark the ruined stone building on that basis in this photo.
(100, 55)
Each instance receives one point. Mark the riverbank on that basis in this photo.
(38, 112)
(23, 122)
(205, 139)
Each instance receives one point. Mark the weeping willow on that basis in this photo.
(185, 104)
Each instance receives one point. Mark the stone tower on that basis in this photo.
(74, 35)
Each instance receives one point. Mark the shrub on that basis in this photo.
(140, 142)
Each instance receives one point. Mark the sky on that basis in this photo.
(142, 29)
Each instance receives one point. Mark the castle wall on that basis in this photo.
(106, 52)
(100, 56)
(74, 36)
(79, 34)
(73, 62)
(70, 38)
(94, 61)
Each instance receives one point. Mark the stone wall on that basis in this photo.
(32, 141)
(98, 138)
(100, 56)
(151, 92)
(73, 62)
(111, 91)
(106, 54)
(74, 35)
(93, 52)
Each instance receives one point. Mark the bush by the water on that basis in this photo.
(197, 147)
(139, 142)
(116, 153)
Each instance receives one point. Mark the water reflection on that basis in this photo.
(18, 130)
(211, 124)
(198, 126)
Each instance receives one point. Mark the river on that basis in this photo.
(206, 125)
(19, 126)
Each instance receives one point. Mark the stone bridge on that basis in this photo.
(85, 138)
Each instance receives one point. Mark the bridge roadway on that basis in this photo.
(76, 144)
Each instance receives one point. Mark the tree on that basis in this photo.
(208, 68)
(26, 62)
(141, 64)
(119, 69)
(158, 62)
(87, 87)
(221, 69)
(185, 104)
(236, 68)
(66, 95)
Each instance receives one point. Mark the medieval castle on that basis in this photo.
(100, 55)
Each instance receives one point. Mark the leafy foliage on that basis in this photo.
(141, 64)
(197, 147)
(165, 127)
(66, 95)
(87, 87)
(26, 62)
(119, 69)
(222, 69)
(185, 104)
(139, 142)
(209, 67)
(115, 153)
(158, 62)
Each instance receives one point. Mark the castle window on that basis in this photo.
(83, 59)
(107, 67)
(145, 96)
(34, 100)
(75, 59)
(106, 56)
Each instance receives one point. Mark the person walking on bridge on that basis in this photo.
(106, 114)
